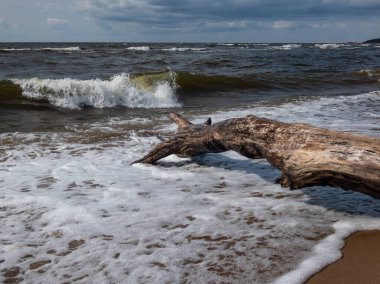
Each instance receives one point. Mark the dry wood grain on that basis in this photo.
(306, 155)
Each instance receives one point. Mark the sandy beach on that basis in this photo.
(360, 262)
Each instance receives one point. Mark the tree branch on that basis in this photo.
(306, 155)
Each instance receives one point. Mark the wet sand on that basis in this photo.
(360, 262)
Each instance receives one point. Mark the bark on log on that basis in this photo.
(306, 155)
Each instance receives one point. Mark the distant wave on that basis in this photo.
(184, 49)
(120, 90)
(15, 49)
(139, 48)
(286, 46)
(72, 48)
(329, 45)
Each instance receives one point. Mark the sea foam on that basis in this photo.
(81, 211)
(117, 91)
(335, 112)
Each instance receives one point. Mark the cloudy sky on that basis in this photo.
(190, 20)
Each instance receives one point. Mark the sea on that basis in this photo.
(73, 116)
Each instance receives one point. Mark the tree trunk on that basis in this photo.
(306, 155)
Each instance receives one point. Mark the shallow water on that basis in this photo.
(72, 209)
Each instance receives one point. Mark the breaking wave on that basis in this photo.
(120, 90)
(164, 89)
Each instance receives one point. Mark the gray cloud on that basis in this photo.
(166, 11)
(189, 20)
(228, 18)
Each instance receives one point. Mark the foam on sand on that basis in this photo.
(327, 251)
(73, 209)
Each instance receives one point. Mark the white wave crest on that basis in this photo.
(118, 91)
(139, 48)
(70, 48)
(184, 49)
(287, 46)
(16, 49)
(329, 45)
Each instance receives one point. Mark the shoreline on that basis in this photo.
(360, 261)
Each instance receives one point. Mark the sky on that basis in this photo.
(189, 20)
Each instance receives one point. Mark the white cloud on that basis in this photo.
(278, 25)
(56, 21)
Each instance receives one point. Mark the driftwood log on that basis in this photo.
(306, 155)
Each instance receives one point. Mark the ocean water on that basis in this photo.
(75, 115)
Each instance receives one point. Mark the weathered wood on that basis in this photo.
(306, 155)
